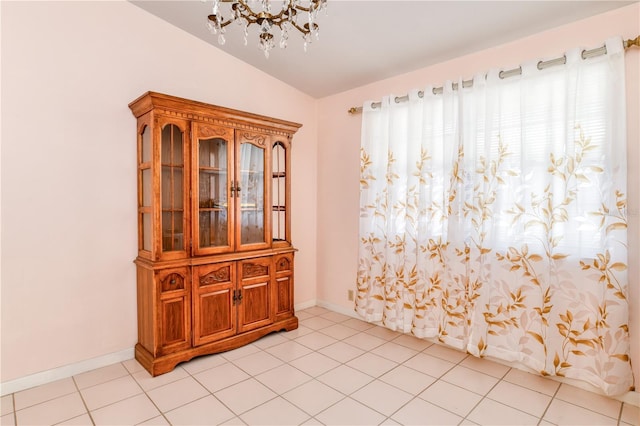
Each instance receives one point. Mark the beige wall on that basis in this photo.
(69, 69)
(339, 142)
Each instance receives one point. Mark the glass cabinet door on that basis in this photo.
(172, 180)
(250, 191)
(213, 230)
(279, 220)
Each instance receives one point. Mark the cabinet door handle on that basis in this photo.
(239, 296)
(233, 188)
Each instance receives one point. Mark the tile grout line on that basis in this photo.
(83, 401)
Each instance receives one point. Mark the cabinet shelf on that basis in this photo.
(212, 170)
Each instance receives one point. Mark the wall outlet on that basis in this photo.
(350, 295)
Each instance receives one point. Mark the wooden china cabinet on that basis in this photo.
(215, 260)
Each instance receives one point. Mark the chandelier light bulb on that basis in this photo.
(249, 12)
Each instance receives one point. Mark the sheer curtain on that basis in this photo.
(493, 218)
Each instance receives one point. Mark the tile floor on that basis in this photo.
(332, 370)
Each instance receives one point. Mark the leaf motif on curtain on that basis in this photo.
(494, 220)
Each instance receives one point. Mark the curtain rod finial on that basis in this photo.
(632, 42)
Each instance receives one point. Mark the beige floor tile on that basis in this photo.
(316, 310)
(427, 364)
(364, 341)
(490, 412)
(156, 421)
(46, 392)
(315, 340)
(126, 412)
(132, 365)
(288, 351)
(335, 316)
(107, 393)
(531, 381)
(527, 400)
(345, 379)
(394, 352)
(313, 397)
(257, 363)
(316, 323)
(314, 364)
(203, 363)
(148, 382)
(298, 332)
(204, 411)
(630, 414)
(339, 331)
(589, 400)
(82, 420)
(220, 377)
(441, 351)
(564, 413)
(8, 420)
(302, 315)
(275, 412)
(485, 366)
(341, 352)
(6, 404)
(382, 397)
(470, 379)
(245, 396)
(240, 352)
(178, 393)
(412, 342)
(358, 324)
(270, 340)
(100, 375)
(372, 364)
(451, 397)
(420, 412)
(383, 333)
(282, 379)
(350, 412)
(408, 379)
(52, 411)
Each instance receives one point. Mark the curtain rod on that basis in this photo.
(510, 73)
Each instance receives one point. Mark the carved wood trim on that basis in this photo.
(221, 275)
(254, 270)
(172, 282)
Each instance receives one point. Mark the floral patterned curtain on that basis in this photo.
(493, 218)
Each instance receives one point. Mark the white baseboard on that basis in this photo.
(63, 372)
(304, 305)
(339, 309)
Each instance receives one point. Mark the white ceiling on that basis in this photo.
(365, 41)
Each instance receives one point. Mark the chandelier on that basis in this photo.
(243, 13)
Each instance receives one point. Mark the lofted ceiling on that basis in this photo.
(364, 41)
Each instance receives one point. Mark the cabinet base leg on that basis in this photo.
(165, 363)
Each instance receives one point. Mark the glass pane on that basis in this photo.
(212, 192)
(146, 145)
(213, 228)
(251, 194)
(278, 192)
(146, 231)
(172, 184)
(146, 187)
(177, 188)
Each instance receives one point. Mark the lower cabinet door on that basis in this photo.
(283, 286)
(174, 310)
(214, 302)
(255, 308)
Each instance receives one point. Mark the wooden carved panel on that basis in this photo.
(283, 264)
(207, 132)
(254, 138)
(220, 275)
(172, 282)
(254, 270)
(215, 313)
